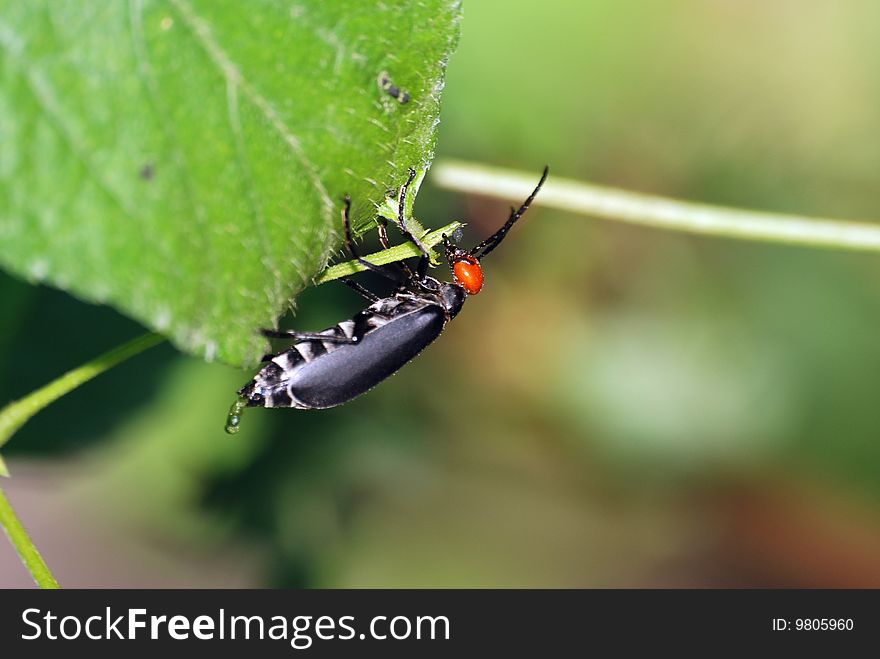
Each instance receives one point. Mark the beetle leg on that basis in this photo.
(383, 232)
(383, 240)
(397, 278)
(305, 336)
(357, 288)
(401, 205)
(452, 252)
(422, 268)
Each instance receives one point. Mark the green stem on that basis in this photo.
(659, 212)
(397, 253)
(24, 546)
(16, 413)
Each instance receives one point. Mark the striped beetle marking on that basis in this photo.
(328, 368)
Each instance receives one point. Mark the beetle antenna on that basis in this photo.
(495, 239)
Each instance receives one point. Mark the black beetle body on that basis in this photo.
(329, 368)
(316, 374)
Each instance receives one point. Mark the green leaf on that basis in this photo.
(185, 160)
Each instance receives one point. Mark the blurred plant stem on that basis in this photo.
(658, 212)
(24, 546)
(16, 413)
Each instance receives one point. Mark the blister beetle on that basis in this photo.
(329, 368)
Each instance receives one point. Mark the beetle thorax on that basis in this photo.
(453, 297)
(449, 296)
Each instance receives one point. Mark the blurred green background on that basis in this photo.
(619, 407)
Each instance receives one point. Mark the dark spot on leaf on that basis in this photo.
(147, 172)
(391, 89)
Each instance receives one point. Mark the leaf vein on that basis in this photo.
(179, 160)
(44, 95)
(234, 120)
(233, 75)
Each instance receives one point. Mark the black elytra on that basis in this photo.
(328, 368)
